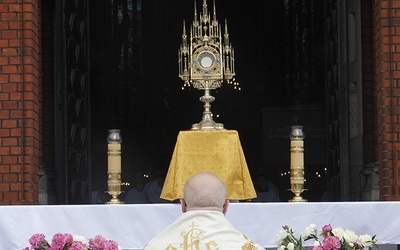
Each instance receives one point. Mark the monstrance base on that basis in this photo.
(208, 126)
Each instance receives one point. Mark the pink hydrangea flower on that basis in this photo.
(331, 243)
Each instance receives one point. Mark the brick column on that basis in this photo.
(387, 90)
(19, 102)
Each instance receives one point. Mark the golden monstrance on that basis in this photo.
(206, 60)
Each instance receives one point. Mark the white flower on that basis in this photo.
(348, 239)
(281, 247)
(290, 246)
(350, 236)
(366, 240)
(339, 232)
(80, 239)
(282, 235)
(308, 231)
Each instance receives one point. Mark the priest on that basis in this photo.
(203, 224)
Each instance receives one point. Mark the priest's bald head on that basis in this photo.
(204, 191)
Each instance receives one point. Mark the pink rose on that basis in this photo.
(358, 245)
(36, 239)
(331, 242)
(97, 242)
(316, 248)
(110, 245)
(327, 228)
(59, 241)
(76, 245)
(68, 238)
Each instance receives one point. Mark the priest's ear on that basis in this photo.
(183, 205)
(225, 208)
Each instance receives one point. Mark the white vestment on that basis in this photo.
(201, 230)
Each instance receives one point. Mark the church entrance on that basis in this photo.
(120, 70)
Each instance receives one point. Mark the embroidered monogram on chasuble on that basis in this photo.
(191, 240)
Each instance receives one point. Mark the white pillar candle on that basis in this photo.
(114, 157)
(296, 153)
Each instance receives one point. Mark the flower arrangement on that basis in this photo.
(332, 239)
(68, 242)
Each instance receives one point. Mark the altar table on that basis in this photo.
(132, 226)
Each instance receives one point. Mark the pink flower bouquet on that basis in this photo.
(68, 242)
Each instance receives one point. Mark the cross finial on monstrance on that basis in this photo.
(206, 61)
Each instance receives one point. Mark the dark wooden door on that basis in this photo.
(72, 102)
(337, 100)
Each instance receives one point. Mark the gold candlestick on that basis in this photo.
(297, 163)
(114, 165)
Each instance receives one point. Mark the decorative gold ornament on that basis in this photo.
(114, 165)
(297, 163)
(206, 61)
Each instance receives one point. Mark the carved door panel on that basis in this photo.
(72, 95)
(337, 101)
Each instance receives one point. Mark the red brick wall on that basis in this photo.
(19, 102)
(386, 39)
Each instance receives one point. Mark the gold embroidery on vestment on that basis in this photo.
(191, 240)
(212, 245)
(249, 246)
(170, 247)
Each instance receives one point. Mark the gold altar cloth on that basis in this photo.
(215, 151)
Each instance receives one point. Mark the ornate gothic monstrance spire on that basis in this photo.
(206, 60)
